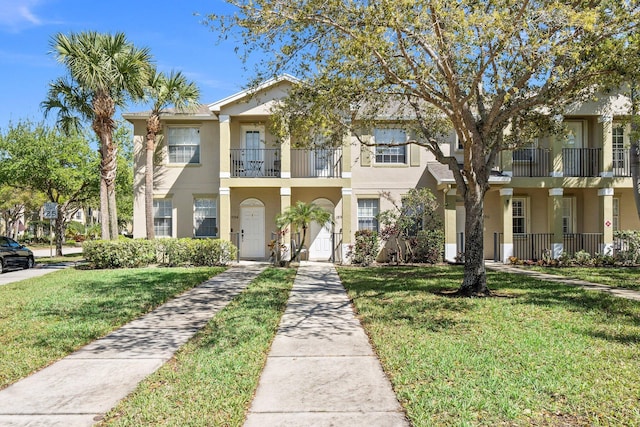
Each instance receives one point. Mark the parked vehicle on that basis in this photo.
(13, 254)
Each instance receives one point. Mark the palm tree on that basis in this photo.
(300, 216)
(104, 72)
(163, 91)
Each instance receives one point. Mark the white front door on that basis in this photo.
(320, 236)
(252, 243)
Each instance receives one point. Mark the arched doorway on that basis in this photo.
(252, 243)
(320, 248)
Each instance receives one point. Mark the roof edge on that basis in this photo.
(216, 106)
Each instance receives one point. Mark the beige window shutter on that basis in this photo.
(365, 155)
(414, 155)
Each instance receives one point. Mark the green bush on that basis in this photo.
(429, 244)
(628, 252)
(198, 252)
(129, 253)
(119, 253)
(365, 249)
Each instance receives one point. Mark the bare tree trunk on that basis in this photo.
(58, 230)
(634, 154)
(475, 277)
(148, 189)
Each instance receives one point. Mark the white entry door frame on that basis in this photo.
(252, 241)
(320, 235)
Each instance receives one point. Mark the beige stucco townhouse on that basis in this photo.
(220, 173)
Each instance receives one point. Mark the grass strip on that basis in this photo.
(618, 277)
(212, 379)
(59, 259)
(540, 354)
(46, 318)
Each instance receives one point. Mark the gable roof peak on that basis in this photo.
(216, 106)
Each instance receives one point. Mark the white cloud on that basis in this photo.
(18, 15)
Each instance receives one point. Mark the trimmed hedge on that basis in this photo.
(198, 252)
(131, 253)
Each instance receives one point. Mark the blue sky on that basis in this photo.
(176, 38)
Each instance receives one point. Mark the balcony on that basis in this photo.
(532, 162)
(255, 163)
(533, 246)
(266, 163)
(621, 162)
(581, 162)
(319, 163)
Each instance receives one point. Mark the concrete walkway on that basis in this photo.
(618, 292)
(79, 389)
(321, 370)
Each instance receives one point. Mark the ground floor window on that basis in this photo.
(519, 214)
(615, 219)
(162, 218)
(205, 218)
(568, 215)
(367, 214)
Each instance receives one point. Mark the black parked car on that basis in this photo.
(13, 254)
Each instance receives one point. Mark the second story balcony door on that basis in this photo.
(321, 165)
(253, 150)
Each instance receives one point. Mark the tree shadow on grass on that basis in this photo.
(605, 310)
(386, 285)
(423, 287)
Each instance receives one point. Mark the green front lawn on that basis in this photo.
(538, 354)
(619, 277)
(212, 379)
(46, 318)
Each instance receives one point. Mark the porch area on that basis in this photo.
(297, 163)
(576, 162)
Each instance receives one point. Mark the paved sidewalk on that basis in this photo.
(321, 370)
(79, 389)
(618, 292)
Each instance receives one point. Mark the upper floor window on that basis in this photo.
(184, 144)
(386, 151)
(204, 213)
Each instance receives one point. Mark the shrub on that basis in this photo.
(198, 252)
(582, 257)
(365, 249)
(119, 253)
(429, 244)
(75, 231)
(129, 253)
(628, 251)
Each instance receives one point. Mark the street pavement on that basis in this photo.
(15, 275)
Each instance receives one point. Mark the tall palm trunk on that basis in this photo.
(104, 210)
(153, 127)
(104, 107)
(113, 212)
